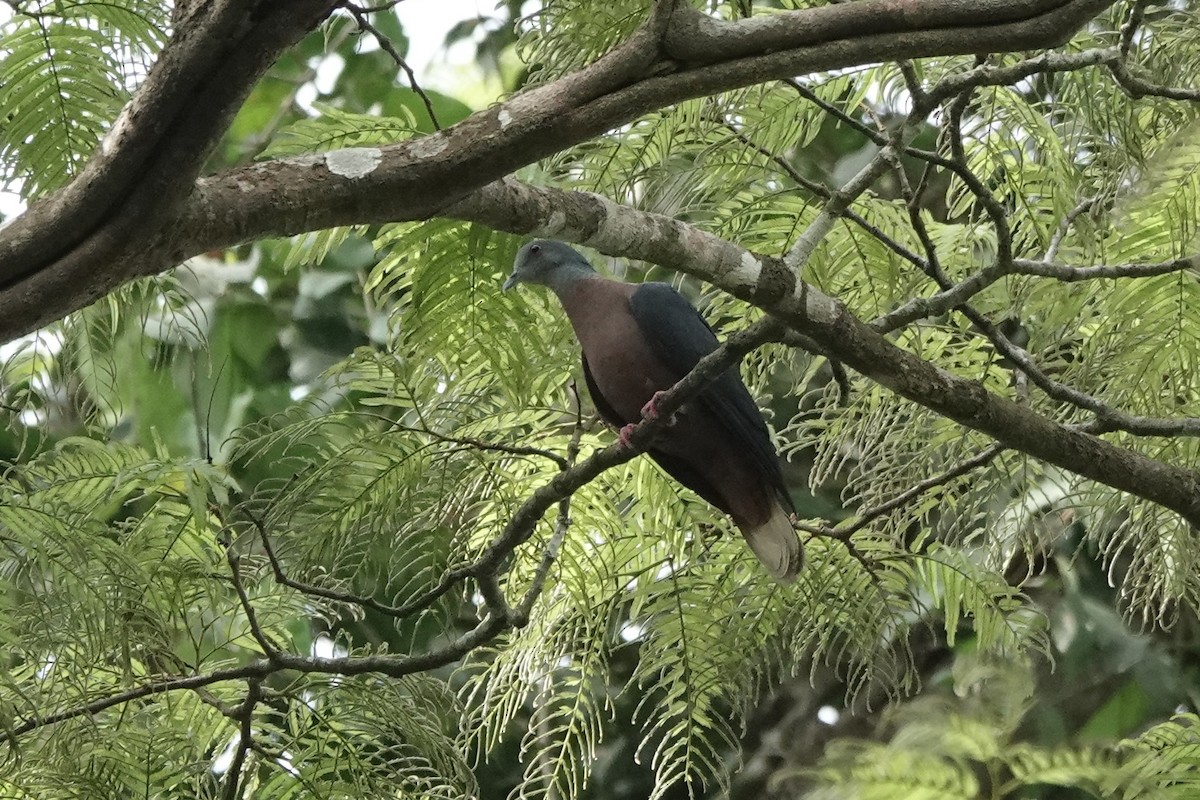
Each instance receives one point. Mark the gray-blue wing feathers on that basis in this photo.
(680, 337)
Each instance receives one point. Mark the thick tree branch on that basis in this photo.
(154, 150)
(46, 275)
(764, 281)
(697, 38)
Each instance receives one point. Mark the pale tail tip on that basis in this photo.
(777, 546)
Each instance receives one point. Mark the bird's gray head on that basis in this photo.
(549, 263)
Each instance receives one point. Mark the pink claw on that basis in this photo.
(650, 410)
(624, 436)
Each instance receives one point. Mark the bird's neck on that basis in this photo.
(563, 279)
(593, 302)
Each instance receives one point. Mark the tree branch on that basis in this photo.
(764, 281)
(499, 616)
(245, 718)
(140, 220)
(1139, 87)
(982, 26)
(145, 167)
(1069, 274)
(268, 647)
(349, 598)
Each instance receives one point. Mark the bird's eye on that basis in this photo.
(537, 248)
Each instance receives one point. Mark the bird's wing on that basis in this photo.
(680, 337)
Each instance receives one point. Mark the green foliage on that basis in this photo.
(65, 71)
(563, 36)
(336, 129)
(941, 750)
(291, 446)
(369, 737)
(109, 561)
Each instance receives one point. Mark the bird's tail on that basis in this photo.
(776, 544)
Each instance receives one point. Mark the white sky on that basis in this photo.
(426, 22)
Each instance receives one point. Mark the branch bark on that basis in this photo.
(138, 209)
(767, 283)
(154, 150)
(449, 172)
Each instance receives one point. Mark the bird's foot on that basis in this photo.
(625, 435)
(650, 410)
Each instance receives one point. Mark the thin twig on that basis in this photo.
(479, 444)
(268, 648)
(257, 668)
(394, 666)
(1064, 226)
(991, 206)
(1070, 274)
(912, 82)
(825, 193)
(360, 16)
(561, 526)
(245, 717)
(1128, 30)
(1137, 87)
(864, 518)
(932, 264)
(367, 601)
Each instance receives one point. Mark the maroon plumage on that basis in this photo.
(639, 339)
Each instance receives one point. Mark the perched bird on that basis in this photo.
(641, 339)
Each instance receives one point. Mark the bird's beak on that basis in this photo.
(512, 281)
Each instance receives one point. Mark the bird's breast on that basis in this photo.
(623, 365)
